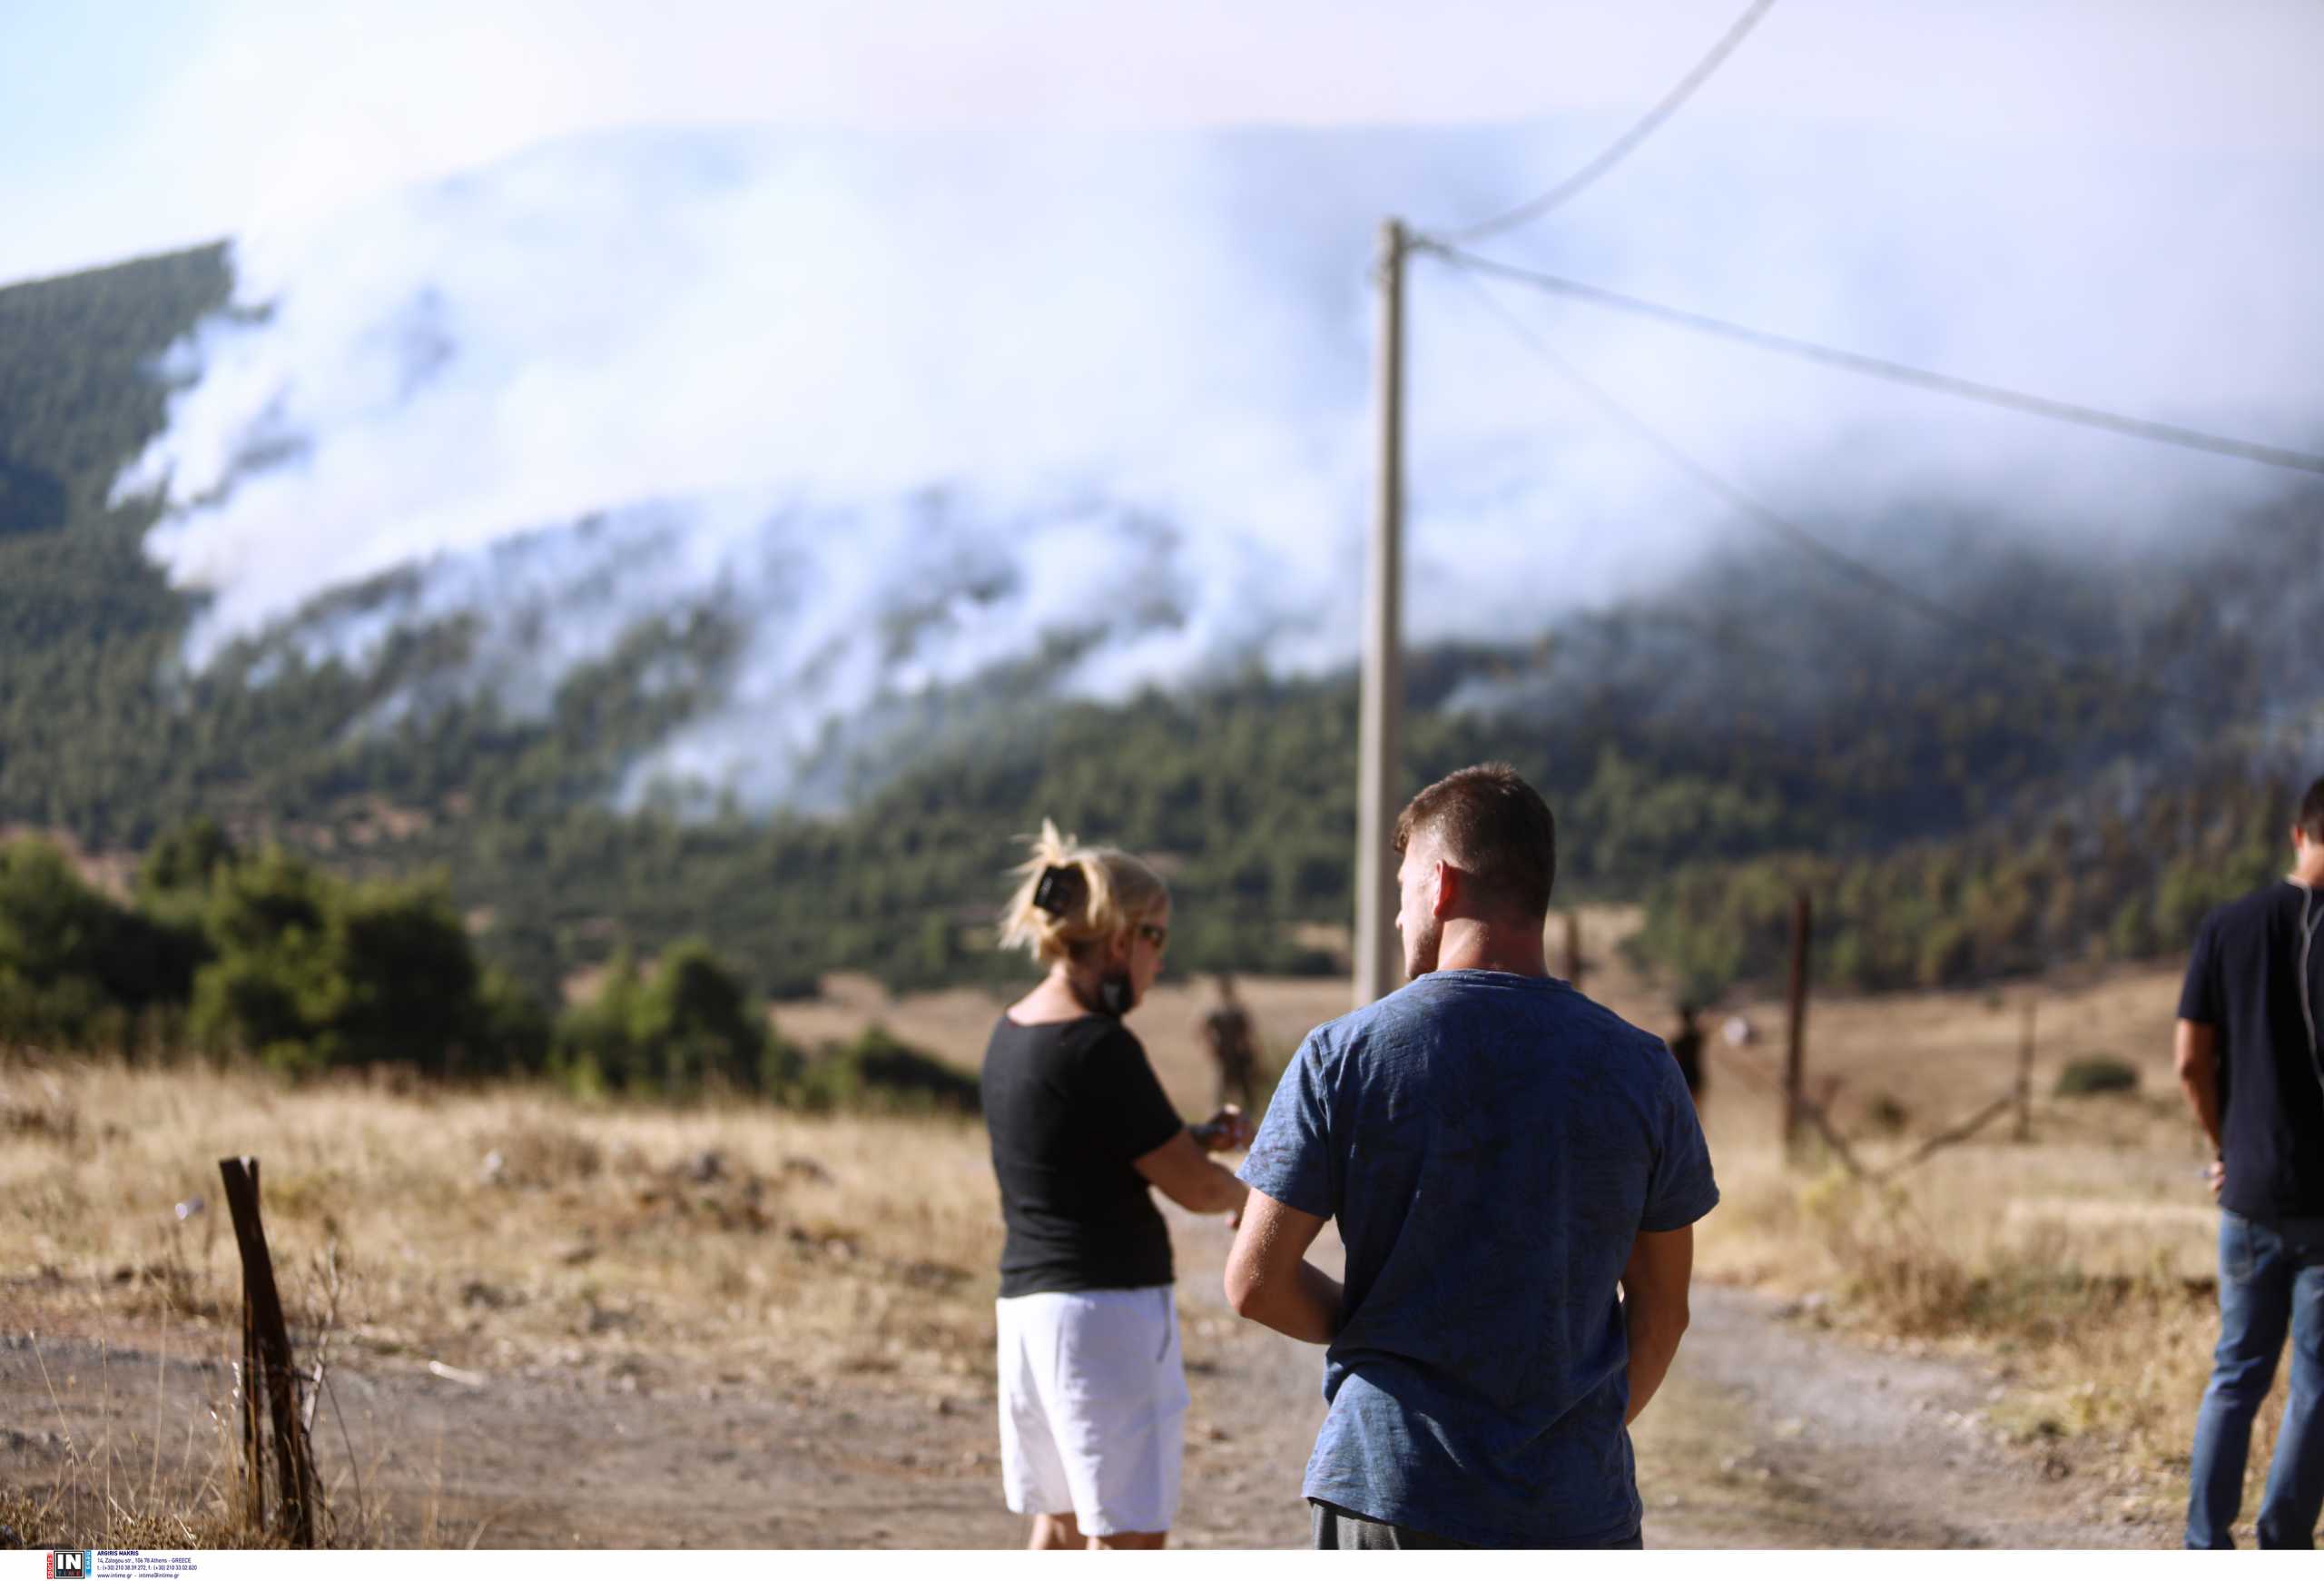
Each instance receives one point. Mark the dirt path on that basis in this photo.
(1770, 1433)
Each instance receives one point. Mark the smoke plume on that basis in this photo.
(905, 408)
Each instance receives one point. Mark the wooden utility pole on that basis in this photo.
(1794, 1063)
(1573, 948)
(2025, 1076)
(1379, 965)
(268, 1392)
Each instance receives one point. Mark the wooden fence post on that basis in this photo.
(2025, 1076)
(267, 1369)
(1795, 1070)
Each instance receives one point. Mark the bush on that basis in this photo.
(687, 1024)
(878, 1072)
(76, 966)
(2097, 1073)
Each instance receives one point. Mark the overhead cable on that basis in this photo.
(1882, 368)
(1800, 538)
(1620, 148)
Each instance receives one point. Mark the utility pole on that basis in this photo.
(1379, 965)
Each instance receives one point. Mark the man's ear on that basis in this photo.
(1447, 880)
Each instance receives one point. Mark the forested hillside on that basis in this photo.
(2104, 745)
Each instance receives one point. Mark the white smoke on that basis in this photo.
(907, 406)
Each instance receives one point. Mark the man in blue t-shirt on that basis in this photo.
(2248, 1059)
(1500, 1154)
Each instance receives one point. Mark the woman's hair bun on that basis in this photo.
(1070, 896)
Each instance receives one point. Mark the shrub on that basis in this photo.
(878, 1072)
(2097, 1073)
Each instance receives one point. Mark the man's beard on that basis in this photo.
(1420, 947)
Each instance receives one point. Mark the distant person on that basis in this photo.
(1093, 1396)
(1687, 1048)
(1737, 1031)
(1234, 1052)
(2248, 1057)
(1502, 1154)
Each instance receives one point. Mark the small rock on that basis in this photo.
(707, 1166)
(494, 1169)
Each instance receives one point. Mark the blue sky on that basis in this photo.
(131, 127)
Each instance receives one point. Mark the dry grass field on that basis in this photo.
(842, 1266)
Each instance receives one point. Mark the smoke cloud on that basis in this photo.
(907, 407)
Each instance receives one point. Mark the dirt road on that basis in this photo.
(1770, 1433)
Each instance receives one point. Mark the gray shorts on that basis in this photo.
(1334, 1527)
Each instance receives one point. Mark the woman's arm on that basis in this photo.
(1180, 1172)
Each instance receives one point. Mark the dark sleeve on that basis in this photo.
(2199, 1000)
(1680, 1189)
(1116, 1088)
(1291, 1157)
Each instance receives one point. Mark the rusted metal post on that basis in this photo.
(267, 1367)
(1795, 1065)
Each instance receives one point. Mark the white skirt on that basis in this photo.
(1093, 1407)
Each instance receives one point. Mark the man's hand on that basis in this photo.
(2215, 1172)
(1226, 1132)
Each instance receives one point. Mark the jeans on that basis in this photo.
(2270, 1281)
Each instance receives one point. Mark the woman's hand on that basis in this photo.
(1228, 1130)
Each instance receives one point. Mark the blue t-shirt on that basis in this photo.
(1492, 1145)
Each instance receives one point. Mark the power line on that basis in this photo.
(1783, 527)
(1882, 368)
(1620, 148)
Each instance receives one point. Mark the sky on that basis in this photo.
(130, 126)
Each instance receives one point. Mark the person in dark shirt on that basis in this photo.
(1687, 1048)
(1093, 1395)
(1234, 1052)
(2247, 1058)
(1501, 1155)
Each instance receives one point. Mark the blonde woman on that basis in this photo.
(1093, 1397)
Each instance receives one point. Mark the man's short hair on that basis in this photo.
(2311, 812)
(1493, 826)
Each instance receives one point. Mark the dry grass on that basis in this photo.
(507, 1233)
(509, 1227)
(2082, 1260)
(520, 1231)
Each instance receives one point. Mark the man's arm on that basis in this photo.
(1654, 1308)
(1180, 1172)
(2196, 1056)
(1269, 1278)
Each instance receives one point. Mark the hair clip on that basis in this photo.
(1060, 890)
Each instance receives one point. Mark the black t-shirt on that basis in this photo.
(2257, 974)
(1070, 1104)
